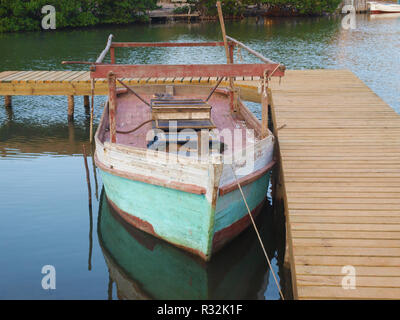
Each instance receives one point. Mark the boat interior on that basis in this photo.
(180, 118)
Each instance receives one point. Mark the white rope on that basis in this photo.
(274, 70)
(258, 234)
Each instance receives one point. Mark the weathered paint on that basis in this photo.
(176, 216)
(231, 208)
(185, 219)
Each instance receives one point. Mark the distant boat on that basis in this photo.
(384, 16)
(377, 7)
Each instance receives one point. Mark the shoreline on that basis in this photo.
(167, 13)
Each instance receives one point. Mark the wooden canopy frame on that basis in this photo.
(100, 70)
(113, 71)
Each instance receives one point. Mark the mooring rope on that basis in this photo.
(258, 234)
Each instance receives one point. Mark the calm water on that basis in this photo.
(44, 216)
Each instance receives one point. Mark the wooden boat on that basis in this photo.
(166, 159)
(144, 267)
(378, 7)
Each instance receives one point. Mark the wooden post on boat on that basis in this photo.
(229, 54)
(98, 60)
(221, 21)
(112, 106)
(71, 107)
(7, 101)
(112, 55)
(264, 106)
(264, 114)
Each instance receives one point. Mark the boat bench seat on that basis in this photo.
(181, 114)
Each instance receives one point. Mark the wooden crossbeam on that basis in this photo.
(194, 70)
(166, 44)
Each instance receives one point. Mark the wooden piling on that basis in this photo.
(86, 102)
(71, 107)
(7, 101)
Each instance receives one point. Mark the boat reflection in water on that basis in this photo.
(144, 267)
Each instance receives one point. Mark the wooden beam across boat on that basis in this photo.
(193, 70)
(166, 44)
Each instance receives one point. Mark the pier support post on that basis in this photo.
(71, 107)
(86, 102)
(7, 101)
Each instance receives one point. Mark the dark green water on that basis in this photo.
(44, 216)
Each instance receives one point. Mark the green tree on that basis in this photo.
(23, 15)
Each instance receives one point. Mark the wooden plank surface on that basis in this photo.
(340, 157)
(78, 83)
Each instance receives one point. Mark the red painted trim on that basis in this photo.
(222, 237)
(246, 180)
(193, 70)
(167, 44)
(145, 240)
(147, 227)
(190, 188)
(380, 11)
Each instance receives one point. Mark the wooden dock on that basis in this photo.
(75, 82)
(340, 164)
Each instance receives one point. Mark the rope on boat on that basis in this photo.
(239, 54)
(258, 234)
(134, 129)
(281, 127)
(215, 88)
(270, 75)
(131, 90)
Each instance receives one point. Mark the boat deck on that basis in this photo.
(132, 113)
(340, 151)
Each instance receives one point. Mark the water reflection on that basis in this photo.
(31, 139)
(143, 267)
